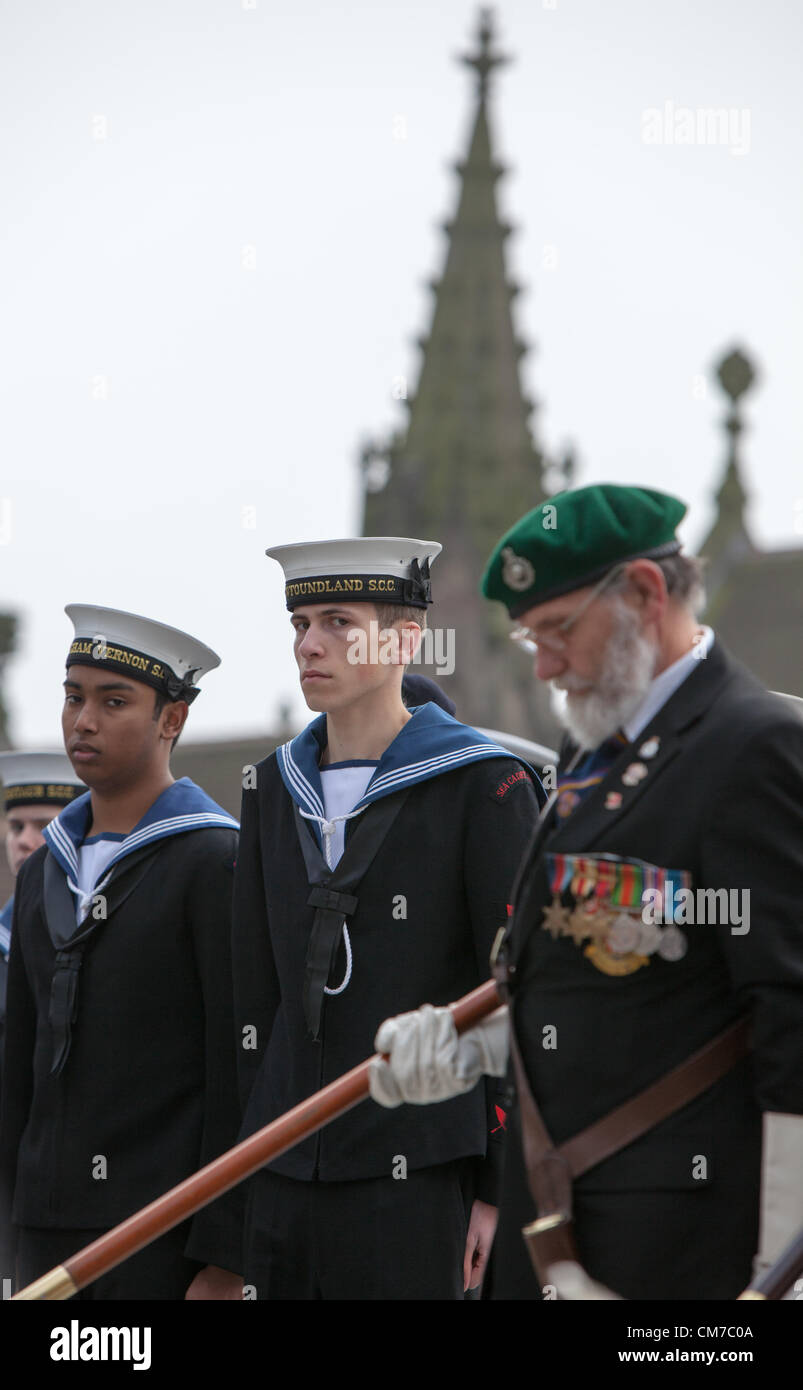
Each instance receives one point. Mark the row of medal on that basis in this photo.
(620, 932)
(607, 893)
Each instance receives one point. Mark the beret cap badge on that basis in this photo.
(517, 572)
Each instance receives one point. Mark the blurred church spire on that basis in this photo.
(728, 541)
(466, 466)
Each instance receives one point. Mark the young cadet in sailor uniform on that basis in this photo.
(36, 786)
(376, 858)
(659, 904)
(120, 1076)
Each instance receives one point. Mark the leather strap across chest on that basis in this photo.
(551, 1168)
(635, 1117)
(626, 1122)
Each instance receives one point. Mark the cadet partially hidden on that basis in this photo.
(36, 786)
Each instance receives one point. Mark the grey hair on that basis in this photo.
(685, 584)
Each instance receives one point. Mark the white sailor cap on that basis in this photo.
(161, 656)
(360, 569)
(31, 779)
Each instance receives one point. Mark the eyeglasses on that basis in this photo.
(557, 640)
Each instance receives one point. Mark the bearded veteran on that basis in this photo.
(658, 906)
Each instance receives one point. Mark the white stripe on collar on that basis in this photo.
(191, 821)
(414, 771)
(158, 830)
(63, 843)
(304, 788)
(453, 737)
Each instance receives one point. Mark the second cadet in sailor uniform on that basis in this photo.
(120, 1062)
(36, 786)
(377, 853)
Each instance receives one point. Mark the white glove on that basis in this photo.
(572, 1284)
(429, 1062)
(781, 1187)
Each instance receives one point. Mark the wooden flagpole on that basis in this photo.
(229, 1169)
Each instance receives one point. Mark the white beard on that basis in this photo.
(627, 670)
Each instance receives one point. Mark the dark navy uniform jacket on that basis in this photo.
(150, 1080)
(722, 799)
(429, 907)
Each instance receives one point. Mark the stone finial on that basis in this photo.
(483, 60)
(736, 374)
(729, 539)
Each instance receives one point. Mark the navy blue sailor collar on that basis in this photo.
(6, 914)
(430, 743)
(181, 807)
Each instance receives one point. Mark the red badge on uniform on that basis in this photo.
(504, 787)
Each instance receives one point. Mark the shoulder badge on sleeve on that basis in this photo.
(512, 780)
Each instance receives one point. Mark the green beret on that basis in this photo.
(574, 537)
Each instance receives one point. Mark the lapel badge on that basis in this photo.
(633, 774)
(650, 747)
(613, 801)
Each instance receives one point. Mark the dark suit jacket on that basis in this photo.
(722, 799)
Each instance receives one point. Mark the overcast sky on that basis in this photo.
(214, 263)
